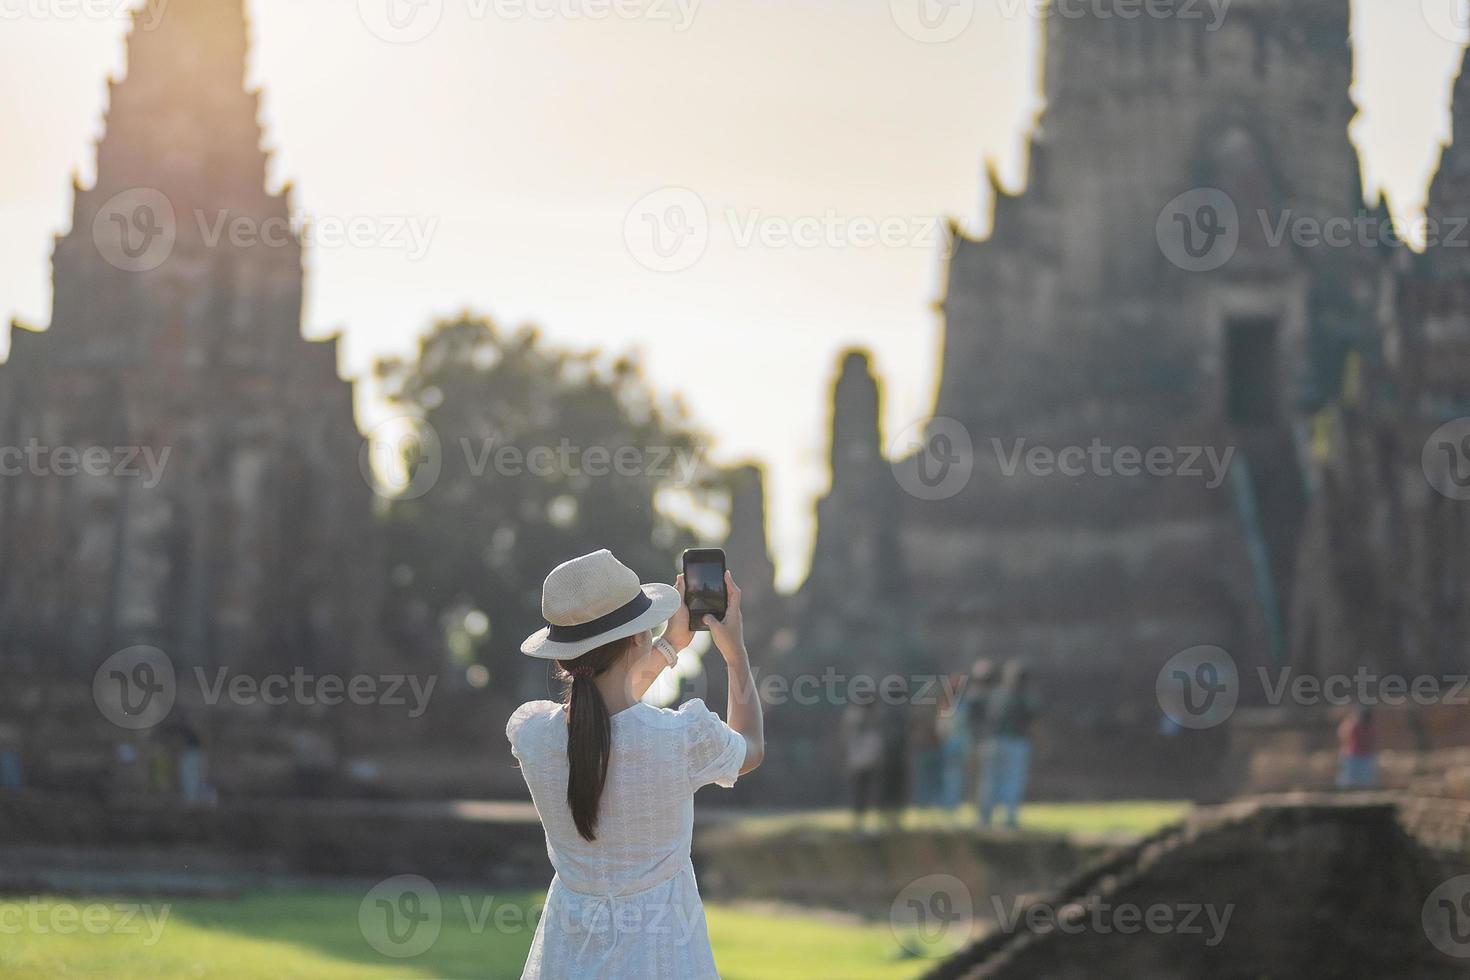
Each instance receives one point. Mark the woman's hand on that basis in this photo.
(728, 633)
(677, 631)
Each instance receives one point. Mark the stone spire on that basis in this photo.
(1449, 192)
(181, 120)
(856, 444)
(854, 595)
(196, 252)
(746, 550)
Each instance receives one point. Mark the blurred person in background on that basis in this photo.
(928, 742)
(193, 768)
(895, 719)
(613, 778)
(12, 770)
(182, 742)
(976, 701)
(952, 728)
(127, 774)
(1357, 751)
(160, 770)
(313, 761)
(1010, 712)
(862, 744)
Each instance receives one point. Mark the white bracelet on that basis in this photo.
(663, 646)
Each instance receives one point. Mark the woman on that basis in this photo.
(613, 779)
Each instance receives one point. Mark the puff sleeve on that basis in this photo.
(715, 751)
(520, 716)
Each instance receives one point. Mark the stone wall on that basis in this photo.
(1314, 887)
(861, 873)
(454, 749)
(492, 844)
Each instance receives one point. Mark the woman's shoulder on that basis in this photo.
(686, 714)
(528, 711)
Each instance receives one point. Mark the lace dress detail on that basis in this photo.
(625, 906)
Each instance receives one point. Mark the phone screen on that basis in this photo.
(704, 585)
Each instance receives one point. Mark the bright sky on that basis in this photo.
(519, 144)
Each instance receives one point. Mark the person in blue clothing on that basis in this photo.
(929, 726)
(976, 698)
(1010, 712)
(952, 731)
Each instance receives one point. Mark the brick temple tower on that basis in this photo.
(176, 337)
(1075, 321)
(1385, 561)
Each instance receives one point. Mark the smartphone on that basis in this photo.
(704, 585)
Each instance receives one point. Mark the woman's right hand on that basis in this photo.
(728, 633)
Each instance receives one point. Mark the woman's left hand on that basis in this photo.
(677, 631)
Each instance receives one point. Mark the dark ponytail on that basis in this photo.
(589, 733)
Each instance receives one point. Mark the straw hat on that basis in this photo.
(593, 600)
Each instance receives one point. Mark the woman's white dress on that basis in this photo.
(625, 906)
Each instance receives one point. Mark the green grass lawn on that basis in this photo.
(1133, 817)
(315, 935)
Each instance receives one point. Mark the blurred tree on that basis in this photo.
(542, 454)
